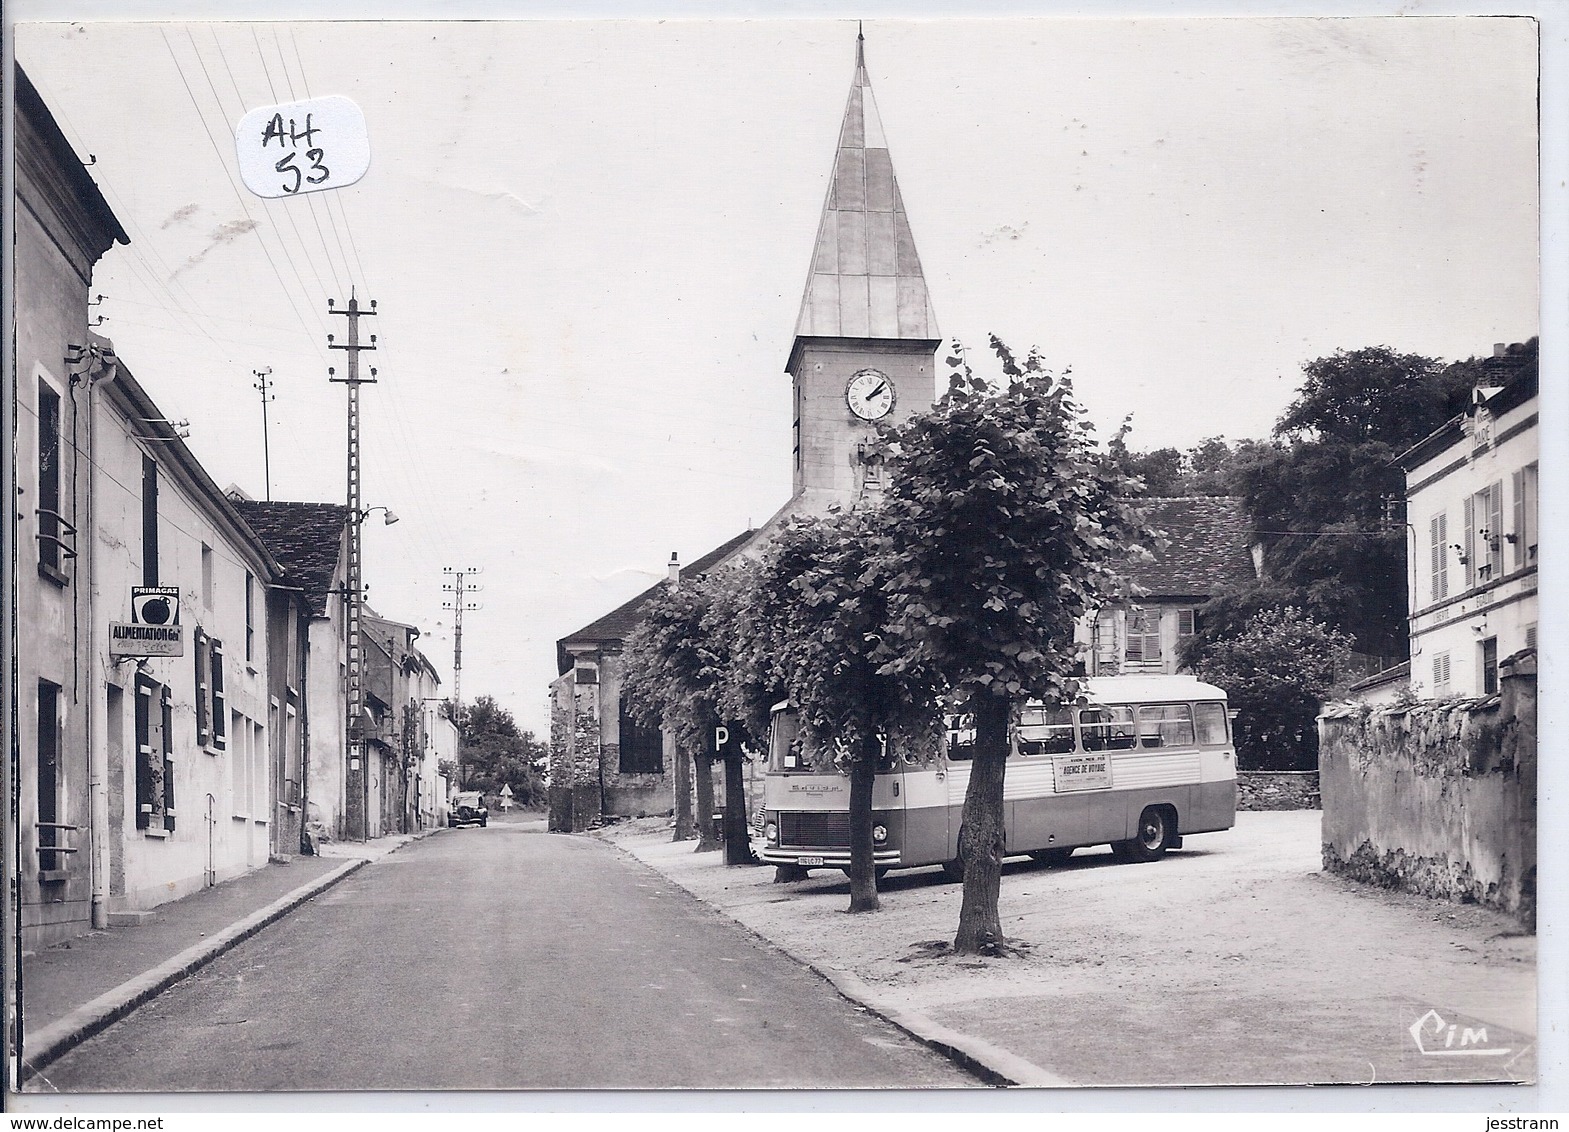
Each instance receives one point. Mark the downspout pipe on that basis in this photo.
(101, 367)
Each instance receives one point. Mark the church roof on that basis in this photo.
(866, 279)
(1209, 546)
(617, 625)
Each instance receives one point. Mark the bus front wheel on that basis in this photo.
(1153, 837)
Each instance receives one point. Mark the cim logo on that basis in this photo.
(1436, 1037)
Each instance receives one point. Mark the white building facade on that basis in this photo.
(1471, 502)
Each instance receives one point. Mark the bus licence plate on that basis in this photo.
(811, 861)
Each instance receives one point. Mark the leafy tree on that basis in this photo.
(1001, 524)
(674, 665)
(819, 602)
(1276, 672)
(496, 753)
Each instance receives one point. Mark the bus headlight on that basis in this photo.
(771, 830)
(879, 833)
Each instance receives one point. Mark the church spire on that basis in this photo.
(866, 279)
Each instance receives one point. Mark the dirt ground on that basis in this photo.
(1233, 961)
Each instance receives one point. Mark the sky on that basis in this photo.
(588, 241)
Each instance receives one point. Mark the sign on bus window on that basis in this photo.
(1165, 725)
(1211, 720)
(1045, 731)
(1108, 729)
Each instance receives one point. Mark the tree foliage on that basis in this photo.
(1276, 671)
(1002, 523)
(817, 617)
(670, 678)
(496, 753)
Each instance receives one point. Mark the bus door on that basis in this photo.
(1042, 794)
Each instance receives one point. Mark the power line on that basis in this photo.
(218, 153)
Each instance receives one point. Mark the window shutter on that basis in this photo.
(220, 715)
(144, 751)
(1517, 492)
(1439, 551)
(1184, 622)
(203, 693)
(1495, 530)
(166, 754)
(1470, 541)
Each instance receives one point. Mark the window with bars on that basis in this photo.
(55, 533)
(48, 791)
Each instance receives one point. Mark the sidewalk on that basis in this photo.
(1235, 961)
(73, 990)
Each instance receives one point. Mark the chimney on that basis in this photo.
(1500, 349)
(674, 570)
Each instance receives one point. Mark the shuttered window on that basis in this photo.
(154, 756)
(1438, 535)
(1143, 646)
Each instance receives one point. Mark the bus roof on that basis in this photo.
(1140, 689)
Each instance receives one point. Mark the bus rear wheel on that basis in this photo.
(1156, 830)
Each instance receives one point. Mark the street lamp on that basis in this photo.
(388, 518)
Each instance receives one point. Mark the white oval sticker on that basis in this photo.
(302, 147)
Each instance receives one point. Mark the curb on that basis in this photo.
(108, 1008)
(992, 1064)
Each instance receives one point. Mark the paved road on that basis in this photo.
(500, 958)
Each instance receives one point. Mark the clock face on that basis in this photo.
(869, 394)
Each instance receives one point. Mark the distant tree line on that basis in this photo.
(494, 752)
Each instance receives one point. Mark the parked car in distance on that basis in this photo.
(468, 808)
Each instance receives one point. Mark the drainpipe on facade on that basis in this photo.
(97, 751)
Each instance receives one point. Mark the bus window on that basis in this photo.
(1045, 731)
(960, 735)
(1165, 725)
(1108, 729)
(1212, 723)
(784, 743)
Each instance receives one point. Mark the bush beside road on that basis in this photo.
(1233, 961)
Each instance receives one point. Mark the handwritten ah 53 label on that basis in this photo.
(302, 147)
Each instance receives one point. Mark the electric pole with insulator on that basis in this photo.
(459, 587)
(263, 383)
(357, 780)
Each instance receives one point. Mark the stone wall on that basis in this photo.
(1277, 790)
(1437, 797)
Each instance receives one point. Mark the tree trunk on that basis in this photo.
(683, 795)
(863, 872)
(981, 832)
(707, 837)
(738, 841)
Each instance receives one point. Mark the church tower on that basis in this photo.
(866, 337)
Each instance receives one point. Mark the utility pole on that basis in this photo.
(264, 384)
(458, 587)
(357, 782)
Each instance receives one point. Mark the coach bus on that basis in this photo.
(1138, 764)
